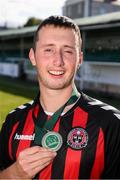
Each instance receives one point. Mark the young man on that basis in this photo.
(63, 133)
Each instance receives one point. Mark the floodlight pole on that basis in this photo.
(87, 8)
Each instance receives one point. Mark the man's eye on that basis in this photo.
(68, 52)
(48, 50)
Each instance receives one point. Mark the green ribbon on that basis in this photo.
(49, 125)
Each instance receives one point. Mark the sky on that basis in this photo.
(15, 13)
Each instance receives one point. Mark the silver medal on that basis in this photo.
(52, 140)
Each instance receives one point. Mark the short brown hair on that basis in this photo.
(57, 21)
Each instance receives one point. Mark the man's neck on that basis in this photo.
(52, 100)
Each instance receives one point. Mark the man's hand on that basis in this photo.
(30, 161)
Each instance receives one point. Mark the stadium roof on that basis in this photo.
(93, 22)
(100, 21)
(21, 31)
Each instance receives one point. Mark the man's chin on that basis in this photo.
(56, 87)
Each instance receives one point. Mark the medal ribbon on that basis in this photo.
(49, 125)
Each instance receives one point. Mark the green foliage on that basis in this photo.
(32, 22)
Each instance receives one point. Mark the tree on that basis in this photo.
(32, 22)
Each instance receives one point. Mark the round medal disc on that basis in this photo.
(52, 140)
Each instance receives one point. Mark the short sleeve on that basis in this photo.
(4, 139)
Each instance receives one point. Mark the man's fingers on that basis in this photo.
(38, 156)
(35, 149)
(41, 162)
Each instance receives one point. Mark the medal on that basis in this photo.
(52, 140)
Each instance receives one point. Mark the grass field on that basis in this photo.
(14, 92)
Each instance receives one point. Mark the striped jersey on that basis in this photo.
(91, 139)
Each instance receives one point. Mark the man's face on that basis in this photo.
(56, 57)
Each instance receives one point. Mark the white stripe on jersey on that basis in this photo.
(96, 102)
(108, 107)
(117, 115)
(31, 102)
(12, 111)
(22, 106)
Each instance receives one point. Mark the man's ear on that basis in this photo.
(80, 57)
(32, 57)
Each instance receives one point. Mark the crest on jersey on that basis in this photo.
(77, 138)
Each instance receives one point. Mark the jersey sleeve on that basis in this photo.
(4, 139)
(111, 126)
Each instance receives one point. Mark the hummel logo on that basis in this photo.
(24, 137)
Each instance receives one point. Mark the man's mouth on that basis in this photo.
(56, 73)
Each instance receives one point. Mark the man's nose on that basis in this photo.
(58, 58)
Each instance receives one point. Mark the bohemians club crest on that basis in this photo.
(77, 138)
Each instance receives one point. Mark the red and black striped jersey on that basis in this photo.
(91, 139)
